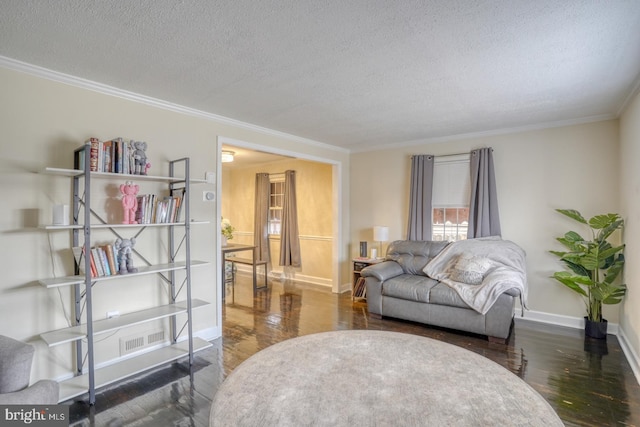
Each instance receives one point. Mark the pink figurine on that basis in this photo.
(129, 202)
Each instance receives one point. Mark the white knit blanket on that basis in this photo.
(506, 273)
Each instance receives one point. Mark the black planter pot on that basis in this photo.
(594, 329)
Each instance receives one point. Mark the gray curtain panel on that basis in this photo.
(420, 210)
(261, 217)
(289, 237)
(484, 219)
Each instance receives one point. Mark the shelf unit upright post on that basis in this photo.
(86, 227)
(76, 242)
(173, 251)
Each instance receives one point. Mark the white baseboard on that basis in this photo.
(245, 270)
(345, 287)
(631, 355)
(559, 319)
(209, 334)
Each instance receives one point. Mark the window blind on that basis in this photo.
(451, 182)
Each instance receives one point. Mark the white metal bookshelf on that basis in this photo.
(87, 377)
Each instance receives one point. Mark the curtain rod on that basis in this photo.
(444, 155)
(454, 154)
(274, 173)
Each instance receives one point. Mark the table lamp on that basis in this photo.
(380, 234)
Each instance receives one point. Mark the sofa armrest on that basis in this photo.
(43, 392)
(513, 292)
(382, 271)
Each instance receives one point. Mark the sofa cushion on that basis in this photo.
(470, 269)
(442, 294)
(409, 286)
(414, 255)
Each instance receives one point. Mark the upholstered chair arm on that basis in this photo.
(382, 271)
(43, 392)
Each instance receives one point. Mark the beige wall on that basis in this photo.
(536, 172)
(315, 214)
(630, 202)
(42, 122)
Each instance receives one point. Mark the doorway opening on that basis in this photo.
(317, 188)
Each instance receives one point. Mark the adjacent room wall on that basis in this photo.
(538, 171)
(630, 208)
(43, 121)
(315, 214)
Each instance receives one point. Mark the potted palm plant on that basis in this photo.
(595, 264)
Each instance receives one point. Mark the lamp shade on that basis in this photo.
(380, 233)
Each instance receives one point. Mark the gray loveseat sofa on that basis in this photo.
(428, 282)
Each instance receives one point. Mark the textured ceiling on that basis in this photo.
(356, 74)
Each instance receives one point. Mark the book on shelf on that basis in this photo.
(78, 255)
(117, 150)
(150, 209)
(139, 209)
(107, 157)
(102, 258)
(97, 260)
(111, 258)
(126, 167)
(94, 147)
(178, 194)
(105, 261)
(94, 268)
(100, 156)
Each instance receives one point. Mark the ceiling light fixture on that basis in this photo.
(227, 156)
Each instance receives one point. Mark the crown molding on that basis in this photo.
(493, 132)
(632, 94)
(45, 73)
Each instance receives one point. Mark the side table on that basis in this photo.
(358, 288)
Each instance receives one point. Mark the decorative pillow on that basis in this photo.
(470, 269)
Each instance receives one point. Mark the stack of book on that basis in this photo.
(152, 210)
(103, 258)
(115, 156)
(360, 288)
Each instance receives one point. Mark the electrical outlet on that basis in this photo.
(208, 196)
(113, 313)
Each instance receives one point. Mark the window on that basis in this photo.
(450, 200)
(276, 200)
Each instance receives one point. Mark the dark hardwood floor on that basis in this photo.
(588, 383)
